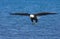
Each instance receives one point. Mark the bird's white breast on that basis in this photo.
(32, 16)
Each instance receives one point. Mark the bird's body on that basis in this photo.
(33, 17)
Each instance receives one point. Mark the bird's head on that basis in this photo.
(32, 16)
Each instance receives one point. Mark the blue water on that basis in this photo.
(20, 27)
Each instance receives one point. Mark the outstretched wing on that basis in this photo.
(44, 13)
(23, 14)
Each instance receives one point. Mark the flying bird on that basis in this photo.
(33, 17)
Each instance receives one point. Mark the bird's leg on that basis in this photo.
(36, 20)
(32, 20)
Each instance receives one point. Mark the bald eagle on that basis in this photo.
(33, 17)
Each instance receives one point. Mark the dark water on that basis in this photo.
(20, 27)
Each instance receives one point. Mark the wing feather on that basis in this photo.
(23, 14)
(44, 13)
